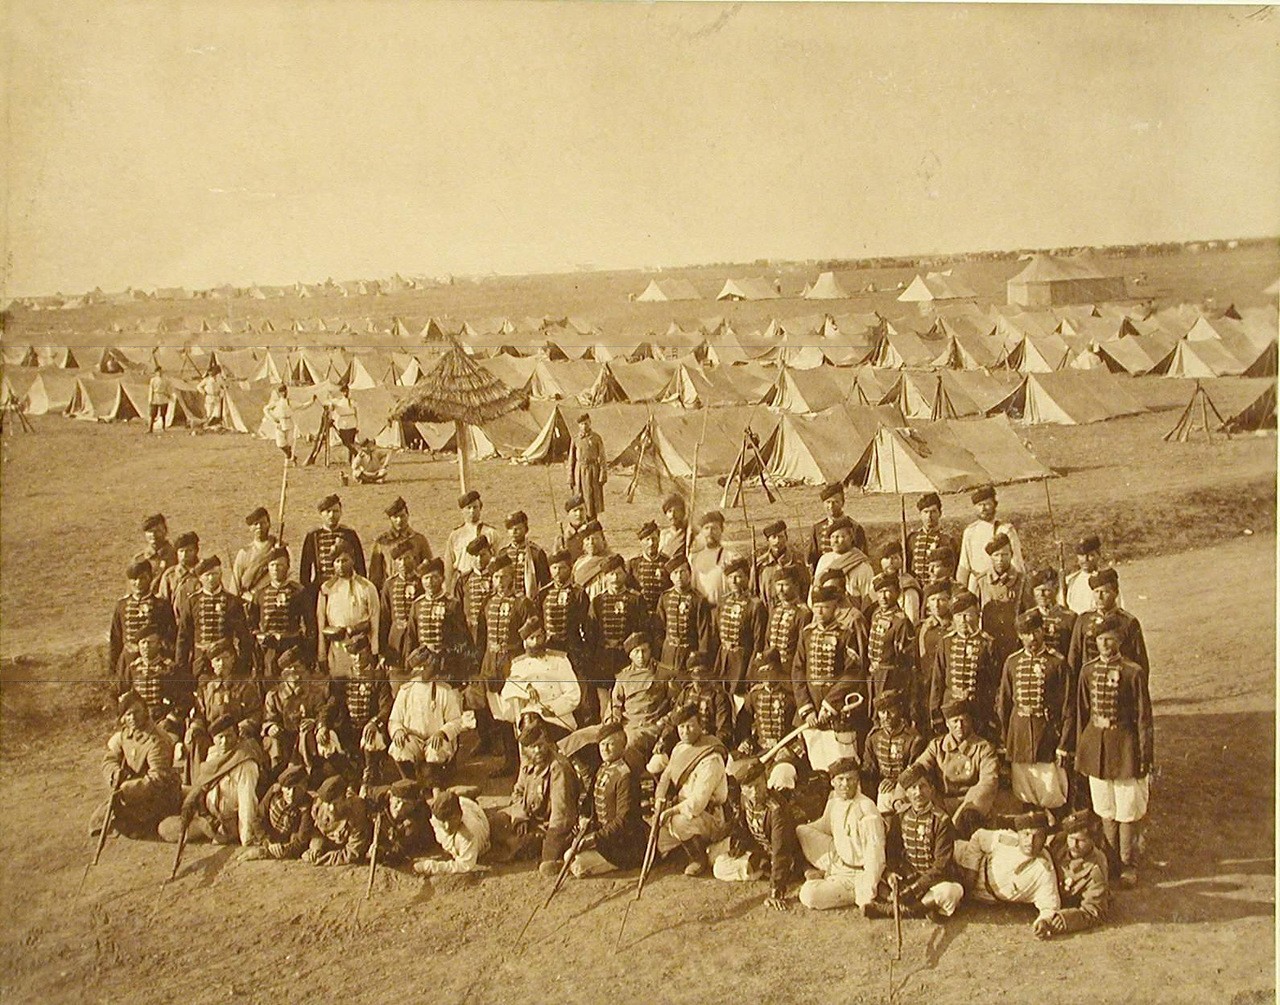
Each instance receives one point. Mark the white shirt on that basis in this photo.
(551, 676)
(466, 844)
(280, 413)
(857, 833)
(426, 708)
(707, 783)
(346, 602)
(456, 559)
(1009, 874)
(1079, 594)
(343, 411)
(707, 566)
(974, 560)
(236, 794)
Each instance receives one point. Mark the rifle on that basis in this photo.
(650, 852)
(106, 829)
(693, 488)
(560, 878)
(373, 854)
(897, 917)
(755, 449)
(284, 491)
(1053, 527)
(177, 857)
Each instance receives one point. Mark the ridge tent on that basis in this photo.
(57, 356)
(748, 289)
(515, 372)
(1126, 355)
(1049, 280)
(815, 450)
(1199, 360)
(507, 436)
(237, 364)
(677, 438)
(826, 287)
(604, 390)
(806, 392)
(1072, 398)
(900, 349)
(935, 286)
(561, 379)
(242, 408)
(110, 359)
(51, 392)
(273, 368)
(14, 387)
(371, 369)
(17, 355)
(643, 381)
(621, 427)
(667, 289)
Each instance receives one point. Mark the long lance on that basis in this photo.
(1053, 526)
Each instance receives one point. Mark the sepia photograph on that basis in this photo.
(653, 502)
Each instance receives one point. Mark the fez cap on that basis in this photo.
(842, 522)
(1104, 577)
(467, 498)
(590, 527)
(332, 788)
(293, 776)
(561, 557)
(1043, 577)
(1111, 624)
(941, 554)
(673, 501)
(1088, 545)
(890, 549)
(500, 563)
(405, 788)
(398, 506)
(1030, 822)
(775, 528)
(130, 699)
(187, 539)
(329, 502)
(424, 657)
(831, 489)
(154, 522)
(711, 516)
(1030, 621)
(1075, 823)
(998, 542)
(935, 588)
(929, 499)
(647, 529)
(257, 515)
(516, 518)
(430, 566)
(963, 600)
(890, 698)
(696, 661)
(223, 647)
(635, 639)
(401, 549)
(983, 494)
(477, 545)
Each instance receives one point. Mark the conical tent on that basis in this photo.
(826, 287)
(1226, 405)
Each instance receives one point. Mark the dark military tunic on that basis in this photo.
(922, 851)
(1036, 707)
(890, 651)
(828, 669)
(964, 667)
(619, 828)
(498, 638)
(397, 597)
(782, 630)
(133, 618)
(615, 616)
(886, 754)
(685, 617)
(1084, 645)
(316, 563)
(740, 624)
(1116, 731)
(920, 542)
(768, 714)
(209, 618)
(649, 578)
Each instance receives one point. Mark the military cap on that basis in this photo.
(767, 659)
(983, 494)
(996, 543)
(1030, 822)
(609, 728)
(397, 507)
(431, 565)
(953, 708)
(1075, 823)
(927, 500)
(500, 563)
(736, 565)
(841, 522)
(477, 544)
(208, 565)
(844, 766)
(782, 776)
(963, 600)
(1030, 621)
(1111, 624)
(711, 516)
(467, 498)
(531, 627)
(775, 528)
(886, 580)
(790, 571)
(561, 557)
(696, 664)
(1104, 577)
(150, 635)
(1088, 545)
(445, 805)
(584, 417)
(342, 547)
(647, 529)
(683, 713)
(221, 724)
(744, 770)
(293, 776)
(890, 698)
(613, 563)
(187, 539)
(911, 775)
(935, 588)
(130, 699)
(332, 789)
(673, 501)
(257, 516)
(890, 549)
(572, 503)
(1043, 577)
(424, 657)
(138, 570)
(401, 548)
(941, 554)
(533, 734)
(358, 643)
(154, 522)
(329, 502)
(516, 519)
(831, 489)
(589, 528)
(278, 553)
(405, 788)
(832, 577)
(675, 563)
(223, 647)
(826, 595)
(635, 639)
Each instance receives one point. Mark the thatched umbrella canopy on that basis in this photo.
(457, 390)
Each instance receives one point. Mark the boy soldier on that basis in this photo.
(158, 553)
(965, 768)
(211, 616)
(1082, 879)
(1077, 593)
(389, 541)
(762, 838)
(219, 694)
(910, 594)
(1059, 622)
(289, 715)
(684, 617)
(1011, 867)
(779, 555)
(153, 678)
(180, 580)
(827, 670)
(739, 624)
(1083, 648)
(569, 536)
(648, 570)
(691, 792)
(928, 536)
(139, 612)
(317, 547)
(846, 846)
(1115, 748)
(964, 667)
(138, 768)
(846, 558)
(541, 682)
(222, 803)
(1003, 594)
(457, 558)
(405, 833)
(498, 639)
(1037, 717)
(473, 586)
(533, 571)
(891, 640)
(617, 614)
(342, 828)
(674, 539)
(891, 745)
(974, 558)
(284, 824)
(437, 621)
(249, 567)
(832, 496)
(425, 720)
(399, 591)
(768, 710)
(280, 613)
(921, 844)
(617, 831)
(706, 692)
(586, 467)
(544, 800)
(347, 607)
(788, 615)
(461, 830)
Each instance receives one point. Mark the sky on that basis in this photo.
(196, 143)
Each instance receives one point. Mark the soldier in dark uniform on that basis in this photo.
(648, 570)
(281, 615)
(616, 615)
(566, 616)
(159, 553)
(571, 531)
(1003, 594)
(533, 572)
(544, 801)
(829, 667)
(928, 537)
(137, 613)
(768, 711)
(779, 555)
(673, 539)
(706, 692)
(941, 568)
(1083, 648)
(787, 616)
(933, 627)
(317, 547)
(892, 744)
(762, 830)
(399, 590)
(212, 616)
(359, 709)
(474, 586)
(153, 678)
(220, 692)
(617, 830)
(1037, 717)
(285, 827)
(965, 668)
(1115, 748)
(1059, 621)
(138, 766)
(405, 833)
(1082, 879)
(740, 623)
(890, 641)
(921, 844)
(179, 580)
(382, 554)
(291, 710)
(436, 621)
(832, 496)
(684, 619)
(498, 640)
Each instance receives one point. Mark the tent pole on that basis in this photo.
(1204, 412)
(460, 435)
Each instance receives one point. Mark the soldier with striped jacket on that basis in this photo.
(474, 586)
(138, 613)
(436, 621)
(648, 570)
(566, 617)
(684, 619)
(210, 617)
(279, 613)
(739, 627)
(964, 668)
(385, 546)
(1084, 648)
(359, 709)
(769, 710)
(706, 693)
(153, 678)
(498, 641)
(829, 667)
(921, 845)
(787, 617)
(1059, 621)
(616, 614)
(890, 640)
(780, 558)
(929, 536)
(891, 746)
(317, 547)
(398, 592)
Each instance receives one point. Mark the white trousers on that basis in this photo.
(843, 885)
(1043, 785)
(1123, 800)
